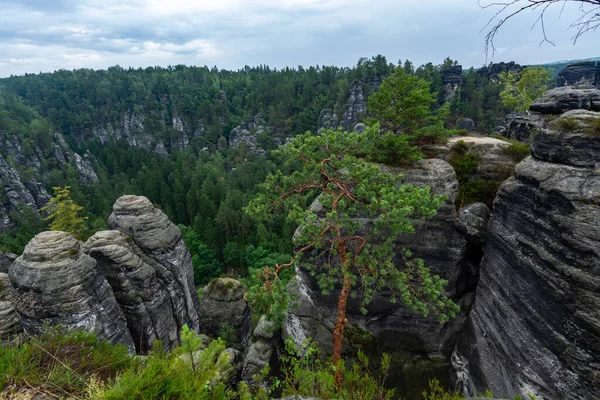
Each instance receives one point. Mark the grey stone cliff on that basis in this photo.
(10, 325)
(535, 326)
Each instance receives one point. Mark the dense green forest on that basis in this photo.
(203, 187)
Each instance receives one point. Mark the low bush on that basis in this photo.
(517, 150)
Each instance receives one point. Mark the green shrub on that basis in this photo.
(477, 190)
(517, 150)
(436, 392)
(499, 137)
(464, 165)
(594, 128)
(227, 334)
(392, 149)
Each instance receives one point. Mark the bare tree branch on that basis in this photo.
(588, 21)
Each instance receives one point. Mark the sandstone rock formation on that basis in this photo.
(85, 168)
(261, 350)
(224, 310)
(391, 327)
(452, 79)
(141, 286)
(5, 260)
(495, 69)
(535, 327)
(581, 74)
(160, 240)
(561, 99)
(472, 222)
(524, 127)
(56, 283)
(248, 134)
(10, 325)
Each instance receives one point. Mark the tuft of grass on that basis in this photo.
(566, 124)
(59, 363)
(594, 128)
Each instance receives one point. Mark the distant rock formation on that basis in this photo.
(535, 327)
(56, 283)
(452, 79)
(581, 74)
(261, 351)
(493, 70)
(223, 309)
(248, 134)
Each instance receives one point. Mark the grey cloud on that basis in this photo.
(43, 35)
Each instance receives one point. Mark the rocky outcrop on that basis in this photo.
(535, 327)
(495, 163)
(581, 74)
(391, 327)
(85, 168)
(356, 105)
(5, 260)
(129, 128)
(452, 79)
(561, 99)
(472, 222)
(55, 283)
(141, 286)
(524, 127)
(10, 326)
(467, 124)
(493, 70)
(14, 194)
(160, 240)
(223, 311)
(261, 351)
(248, 134)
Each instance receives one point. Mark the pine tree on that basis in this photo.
(64, 212)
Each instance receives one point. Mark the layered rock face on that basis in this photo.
(535, 326)
(5, 260)
(585, 73)
(261, 351)
(562, 99)
(55, 283)
(391, 327)
(160, 241)
(141, 287)
(10, 326)
(223, 311)
(248, 134)
(495, 163)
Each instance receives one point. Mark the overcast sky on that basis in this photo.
(45, 35)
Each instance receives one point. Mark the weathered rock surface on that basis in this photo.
(495, 163)
(581, 74)
(393, 327)
(535, 326)
(10, 325)
(5, 260)
(452, 79)
(160, 240)
(356, 105)
(472, 222)
(248, 134)
(466, 124)
(580, 146)
(261, 350)
(223, 308)
(524, 127)
(56, 283)
(561, 99)
(85, 168)
(141, 287)
(129, 128)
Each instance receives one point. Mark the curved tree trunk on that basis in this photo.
(338, 332)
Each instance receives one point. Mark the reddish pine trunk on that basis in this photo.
(338, 332)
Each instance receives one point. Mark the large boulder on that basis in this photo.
(145, 289)
(573, 138)
(562, 99)
(472, 222)
(391, 327)
(55, 283)
(10, 325)
(223, 311)
(160, 240)
(524, 127)
(535, 326)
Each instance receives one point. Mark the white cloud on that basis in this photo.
(36, 36)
